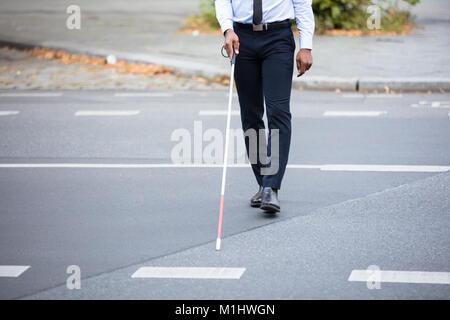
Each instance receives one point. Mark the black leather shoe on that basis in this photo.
(255, 201)
(269, 200)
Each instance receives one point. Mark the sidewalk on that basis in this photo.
(146, 32)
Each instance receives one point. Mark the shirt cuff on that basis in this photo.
(228, 24)
(305, 42)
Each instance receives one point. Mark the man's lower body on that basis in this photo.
(263, 72)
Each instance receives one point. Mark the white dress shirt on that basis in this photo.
(229, 11)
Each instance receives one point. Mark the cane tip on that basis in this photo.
(218, 244)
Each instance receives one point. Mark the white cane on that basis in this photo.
(225, 157)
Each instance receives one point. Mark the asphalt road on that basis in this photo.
(93, 190)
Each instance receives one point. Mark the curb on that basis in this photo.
(405, 84)
(193, 68)
(325, 83)
(372, 83)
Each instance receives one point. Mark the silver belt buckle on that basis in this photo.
(260, 27)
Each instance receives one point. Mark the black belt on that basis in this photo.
(264, 26)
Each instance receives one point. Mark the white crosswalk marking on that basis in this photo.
(400, 276)
(432, 104)
(383, 168)
(142, 94)
(218, 112)
(189, 273)
(106, 113)
(353, 113)
(352, 95)
(384, 95)
(8, 112)
(31, 94)
(371, 95)
(12, 271)
(435, 104)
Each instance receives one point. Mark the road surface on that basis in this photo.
(87, 179)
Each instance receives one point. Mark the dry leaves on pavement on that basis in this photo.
(120, 66)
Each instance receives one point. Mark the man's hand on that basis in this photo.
(304, 61)
(231, 43)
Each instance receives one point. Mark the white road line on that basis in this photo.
(435, 104)
(440, 104)
(31, 94)
(304, 166)
(384, 95)
(383, 168)
(353, 113)
(8, 112)
(107, 113)
(400, 276)
(352, 95)
(189, 273)
(443, 102)
(325, 167)
(143, 94)
(371, 95)
(432, 104)
(218, 112)
(118, 165)
(12, 271)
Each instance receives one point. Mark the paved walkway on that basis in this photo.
(147, 31)
(24, 71)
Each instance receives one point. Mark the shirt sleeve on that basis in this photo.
(224, 14)
(305, 22)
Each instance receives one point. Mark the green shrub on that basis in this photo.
(351, 14)
(329, 14)
(208, 11)
(206, 19)
(339, 14)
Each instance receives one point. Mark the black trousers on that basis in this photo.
(263, 72)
